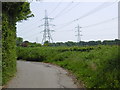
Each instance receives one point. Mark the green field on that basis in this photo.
(95, 66)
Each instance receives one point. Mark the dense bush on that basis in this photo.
(99, 67)
(12, 12)
(8, 49)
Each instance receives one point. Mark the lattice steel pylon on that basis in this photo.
(47, 32)
(78, 33)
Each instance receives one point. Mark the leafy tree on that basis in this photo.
(90, 43)
(17, 11)
(12, 12)
(19, 41)
(70, 43)
(46, 43)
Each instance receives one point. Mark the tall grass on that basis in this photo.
(97, 67)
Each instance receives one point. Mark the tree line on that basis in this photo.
(22, 43)
(89, 43)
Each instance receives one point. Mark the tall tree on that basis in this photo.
(12, 12)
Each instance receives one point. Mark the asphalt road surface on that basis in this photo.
(40, 75)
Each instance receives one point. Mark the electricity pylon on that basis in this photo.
(78, 33)
(47, 32)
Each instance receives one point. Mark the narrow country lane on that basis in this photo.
(40, 75)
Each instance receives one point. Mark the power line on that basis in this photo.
(69, 4)
(33, 35)
(95, 24)
(89, 13)
(73, 20)
(102, 6)
(100, 22)
(55, 7)
(87, 26)
(65, 30)
(70, 9)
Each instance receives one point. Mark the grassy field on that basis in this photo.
(96, 67)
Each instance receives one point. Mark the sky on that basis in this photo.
(98, 21)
